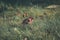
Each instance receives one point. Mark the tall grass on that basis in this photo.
(11, 27)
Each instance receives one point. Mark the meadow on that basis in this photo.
(45, 25)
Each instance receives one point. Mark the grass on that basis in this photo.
(12, 29)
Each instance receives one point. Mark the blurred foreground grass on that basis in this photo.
(47, 28)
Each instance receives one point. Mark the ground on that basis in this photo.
(45, 26)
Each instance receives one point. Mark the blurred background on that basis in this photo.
(29, 19)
